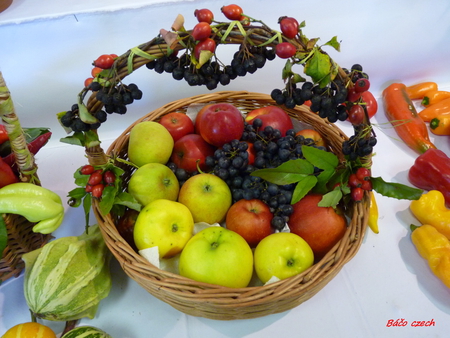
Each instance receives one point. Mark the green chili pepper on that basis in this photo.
(29, 189)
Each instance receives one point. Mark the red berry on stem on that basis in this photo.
(357, 194)
(353, 181)
(97, 190)
(356, 115)
(87, 169)
(366, 185)
(289, 26)
(109, 177)
(95, 178)
(362, 85)
(204, 15)
(207, 44)
(232, 12)
(104, 61)
(285, 50)
(201, 31)
(363, 174)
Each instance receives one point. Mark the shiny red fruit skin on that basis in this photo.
(204, 15)
(232, 12)
(285, 50)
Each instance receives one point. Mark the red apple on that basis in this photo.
(188, 150)
(271, 116)
(320, 227)
(178, 124)
(219, 123)
(313, 135)
(250, 219)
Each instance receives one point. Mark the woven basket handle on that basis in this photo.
(23, 157)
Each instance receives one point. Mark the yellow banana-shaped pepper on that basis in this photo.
(435, 248)
(373, 213)
(430, 209)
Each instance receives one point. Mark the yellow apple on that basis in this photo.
(153, 181)
(207, 196)
(216, 255)
(282, 255)
(165, 224)
(150, 142)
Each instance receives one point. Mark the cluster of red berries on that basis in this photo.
(359, 182)
(103, 62)
(98, 180)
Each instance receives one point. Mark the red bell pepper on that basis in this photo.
(7, 175)
(431, 171)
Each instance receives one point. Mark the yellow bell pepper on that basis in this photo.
(373, 213)
(430, 209)
(435, 248)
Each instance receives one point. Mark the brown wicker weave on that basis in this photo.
(216, 302)
(21, 238)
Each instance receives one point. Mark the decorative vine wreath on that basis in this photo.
(190, 55)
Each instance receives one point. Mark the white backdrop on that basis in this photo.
(46, 53)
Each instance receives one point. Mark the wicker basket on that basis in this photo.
(206, 300)
(216, 302)
(21, 238)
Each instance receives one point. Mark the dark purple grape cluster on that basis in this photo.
(233, 165)
(212, 73)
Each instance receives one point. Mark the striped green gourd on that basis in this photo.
(86, 332)
(66, 278)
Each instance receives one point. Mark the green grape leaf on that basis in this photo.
(289, 172)
(318, 67)
(334, 43)
(395, 190)
(320, 158)
(331, 199)
(303, 187)
(76, 139)
(78, 194)
(107, 200)
(3, 235)
(127, 200)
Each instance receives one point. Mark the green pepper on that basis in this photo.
(35, 203)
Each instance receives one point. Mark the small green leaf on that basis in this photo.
(320, 158)
(303, 187)
(107, 201)
(205, 56)
(289, 172)
(318, 67)
(395, 190)
(91, 139)
(76, 139)
(331, 199)
(334, 43)
(77, 193)
(128, 200)
(84, 114)
(3, 235)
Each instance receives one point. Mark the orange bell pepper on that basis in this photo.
(440, 125)
(439, 108)
(434, 96)
(403, 116)
(418, 91)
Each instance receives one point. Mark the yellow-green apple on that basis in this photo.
(191, 150)
(178, 124)
(282, 255)
(320, 227)
(207, 196)
(150, 142)
(165, 224)
(153, 181)
(313, 135)
(250, 219)
(219, 123)
(272, 116)
(218, 256)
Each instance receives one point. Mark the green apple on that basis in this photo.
(207, 196)
(218, 256)
(150, 142)
(165, 224)
(282, 255)
(153, 181)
